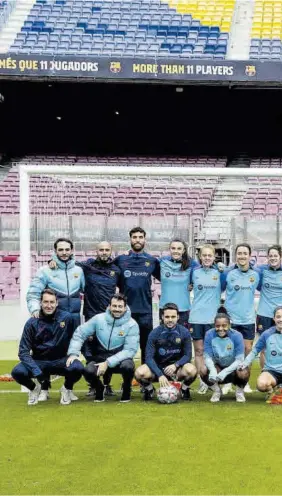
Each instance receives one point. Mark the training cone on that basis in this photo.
(276, 397)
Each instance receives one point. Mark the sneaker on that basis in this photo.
(216, 393)
(34, 395)
(203, 388)
(149, 394)
(73, 397)
(185, 394)
(91, 392)
(240, 397)
(109, 391)
(226, 388)
(248, 389)
(100, 394)
(65, 396)
(126, 395)
(44, 395)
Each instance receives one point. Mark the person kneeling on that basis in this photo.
(115, 343)
(47, 338)
(167, 357)
(223, 354)
(270, 341)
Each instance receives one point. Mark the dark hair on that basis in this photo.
(275, 247)
(276, 309)
(119, 297)
(136, 230)
(169, 306)
(222, 315)
(186, 259)
(49, 292)
(65, 240)
(245, 245)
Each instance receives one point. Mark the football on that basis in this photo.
(167, 394)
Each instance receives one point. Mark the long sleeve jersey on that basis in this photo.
(175, 283)
(271, 342)
(227, 352)
(207, 286)
(137, 270)
(101, 281)
(271, 290)
(240, 294)
(67, 281)
(47, 337)
(115, 340)
(166, 347)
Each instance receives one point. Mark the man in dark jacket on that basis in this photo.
(43, 350)
(168, 355)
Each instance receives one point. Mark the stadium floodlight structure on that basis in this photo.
(73, 170)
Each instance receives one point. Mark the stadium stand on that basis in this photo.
(266, 30)
(144, 28)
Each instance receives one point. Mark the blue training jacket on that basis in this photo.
(137, 270)
(271, 342)
(67, 281)
(47, 337)
(101, 281)
(175, 283)
(226, 352)
(271, 290)
(166, 347)
(207, 286)
(240, 294)
(115, 339)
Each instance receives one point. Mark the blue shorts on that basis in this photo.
(248, 331)
(198, 331)
(277, 375)
(264, 323)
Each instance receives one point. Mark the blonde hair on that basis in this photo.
(210, 247)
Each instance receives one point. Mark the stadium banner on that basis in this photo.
(91, 67)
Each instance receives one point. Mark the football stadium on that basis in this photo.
(140, 247)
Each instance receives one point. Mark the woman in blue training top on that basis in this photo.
(270, 293)
(175, 273)
(207, 286)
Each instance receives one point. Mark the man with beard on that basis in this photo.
(101, 280)
(115, 343)
(137, 269)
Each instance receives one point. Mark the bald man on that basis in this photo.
(101, 279)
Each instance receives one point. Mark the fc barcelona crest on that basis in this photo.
(250, 70)
(115, 67)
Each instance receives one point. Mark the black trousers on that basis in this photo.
(145, 322)
(126, 369)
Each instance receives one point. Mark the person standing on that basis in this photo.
(137, 269)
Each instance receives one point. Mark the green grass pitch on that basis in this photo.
(136, 448)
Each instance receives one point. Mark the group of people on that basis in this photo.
(117, 319)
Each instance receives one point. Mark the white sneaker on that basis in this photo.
(240, 397)
(226, 388)
(65, 396)
(44, 395)
(73, 397)
(34, 395)
(216, 393)
(203, 388)
(248, 389)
